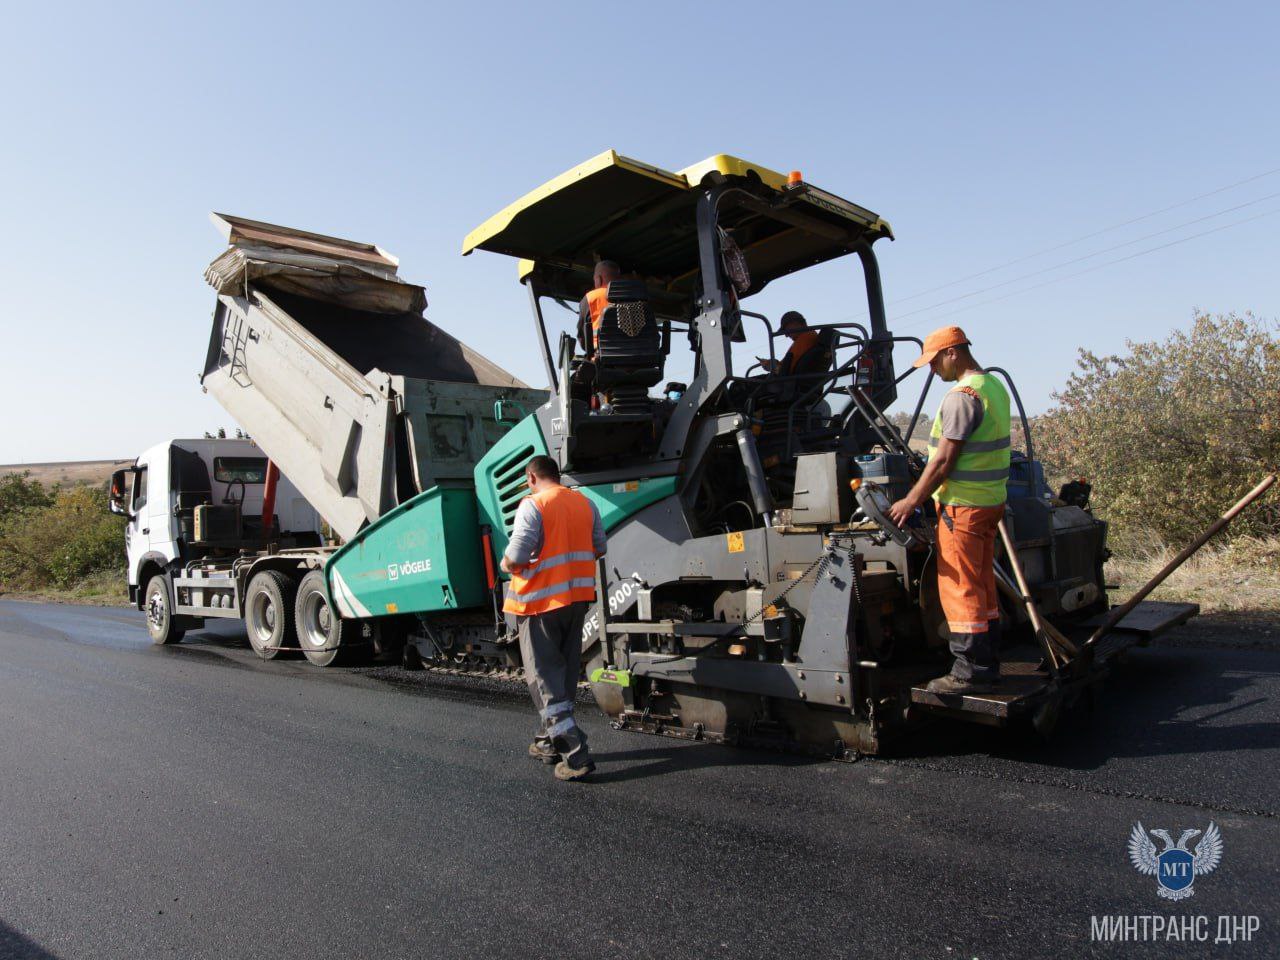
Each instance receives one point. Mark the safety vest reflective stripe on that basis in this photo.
(584, 583)
(977, 446)
(561, 727)
(565, 571)
(981, 472)
(546, 563)
(979, 476)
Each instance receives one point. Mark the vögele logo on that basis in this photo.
(397, 570)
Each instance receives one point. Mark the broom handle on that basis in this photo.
(1032, 610)
(1120, 612)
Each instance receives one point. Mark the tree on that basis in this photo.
(1174, 431)
(20, 494)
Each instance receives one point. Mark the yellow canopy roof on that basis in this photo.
(614, 207)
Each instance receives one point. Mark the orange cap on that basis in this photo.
(938, 341)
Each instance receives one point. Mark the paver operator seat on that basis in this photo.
(629, 356)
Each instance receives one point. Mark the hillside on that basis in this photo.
(67, 473)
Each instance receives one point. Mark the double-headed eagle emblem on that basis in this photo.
(1175, 868)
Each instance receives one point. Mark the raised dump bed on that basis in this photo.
(322, 354)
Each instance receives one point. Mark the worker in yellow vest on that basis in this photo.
(966, 475)
(555, 541)
(591, 307)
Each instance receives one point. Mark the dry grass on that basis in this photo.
(106, 588)
(1237, 578)
(67, 473)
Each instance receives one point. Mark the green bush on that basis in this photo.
(19, 494)
(56, 539)
(1173, 432)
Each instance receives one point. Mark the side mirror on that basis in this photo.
(119, 492)
(503, 409)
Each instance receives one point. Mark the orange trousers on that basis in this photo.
(966, 566)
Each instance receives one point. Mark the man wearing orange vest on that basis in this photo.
(591, 308)
(796, 327)
(555, 541)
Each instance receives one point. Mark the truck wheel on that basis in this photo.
(268, 613)
(327, 640)
(163, 625)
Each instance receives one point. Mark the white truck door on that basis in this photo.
(161, 521)
(137, 532)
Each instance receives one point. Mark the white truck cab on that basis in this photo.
(186, 499)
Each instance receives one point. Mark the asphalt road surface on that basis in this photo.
(191, 801)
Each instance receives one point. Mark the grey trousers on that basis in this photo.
(551, 649)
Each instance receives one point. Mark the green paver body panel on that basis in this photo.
(617, 501)
(423, 556)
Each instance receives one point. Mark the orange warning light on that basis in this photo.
(855, 483)
(794, 178)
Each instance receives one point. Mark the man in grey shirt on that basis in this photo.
(961, 413)
(555, 541)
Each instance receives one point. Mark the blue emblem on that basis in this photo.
(1175, 868)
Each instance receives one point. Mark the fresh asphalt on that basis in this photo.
(192, 801)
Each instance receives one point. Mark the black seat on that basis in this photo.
(629, 356)
(785, 419)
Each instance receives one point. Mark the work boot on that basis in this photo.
(994, 638)
(544, 751)
(566, 772)
(951, 684)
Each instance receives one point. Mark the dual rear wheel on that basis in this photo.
(282, 615)
(268, 613)
(327, 640)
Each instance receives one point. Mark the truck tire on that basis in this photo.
(163, 624)
(268, 613)
(327, 640)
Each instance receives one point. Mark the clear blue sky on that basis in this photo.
(983, 133)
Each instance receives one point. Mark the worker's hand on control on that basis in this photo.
(903, 510)
(769, 366)
(509, 567)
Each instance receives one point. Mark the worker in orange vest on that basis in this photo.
(591, 307)
(794, 326)
(555, 541)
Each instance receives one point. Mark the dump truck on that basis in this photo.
(754, 590)
(361, 414)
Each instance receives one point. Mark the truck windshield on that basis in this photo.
(243, 469)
